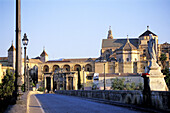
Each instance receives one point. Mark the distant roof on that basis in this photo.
(12, 48)
(35, 61)
(80, 59)
(55, 61)
(44, 53)
(3, 58)
(146, 33)
(36, 57)
(119, 74)
(128, 46)
(166, 43)
(117, 43)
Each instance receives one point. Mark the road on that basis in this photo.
(54, 103)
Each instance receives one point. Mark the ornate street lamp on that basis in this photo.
(25, 43)
(28, 77)
(104, 61)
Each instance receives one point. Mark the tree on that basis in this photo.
(79, 80)
(163, 59)
(167, 78)
(118, 84)
(6, 90)
(7, 86)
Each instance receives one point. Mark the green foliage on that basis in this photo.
(22, 87)
(41, 89)
(167, 78)
(163, 59)
(7, 86)
(118, 84)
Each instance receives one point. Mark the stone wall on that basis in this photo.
(159, 100)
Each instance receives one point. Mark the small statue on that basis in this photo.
(152, 47)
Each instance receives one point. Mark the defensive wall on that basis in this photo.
(159, 99)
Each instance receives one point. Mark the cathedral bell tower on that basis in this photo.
(11, 56)
(110, 36)
(44, 56)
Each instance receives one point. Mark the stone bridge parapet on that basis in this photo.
(159, 99)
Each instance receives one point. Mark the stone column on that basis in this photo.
(66, 82)
(51, 83)
(18, 75)
(45, 82)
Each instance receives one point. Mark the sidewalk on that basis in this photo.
(34, 105)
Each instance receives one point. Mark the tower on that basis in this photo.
(44, 56)
(110, 36)
(12, 56)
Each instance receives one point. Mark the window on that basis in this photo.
(127, 59)
(119, 59)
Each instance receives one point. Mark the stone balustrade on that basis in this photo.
(159, 99)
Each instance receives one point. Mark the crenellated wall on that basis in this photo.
(159, 99)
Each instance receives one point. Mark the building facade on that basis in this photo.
(118, 56)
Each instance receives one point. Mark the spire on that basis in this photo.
(12, 48)
(110, 36)
(44, 52)
(147, 27)
(127, 39)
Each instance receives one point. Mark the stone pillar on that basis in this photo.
(156, 77)
(18, 76)
(66, 82)
(51, 83)
(45, 82)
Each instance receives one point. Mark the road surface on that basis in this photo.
(54, 103)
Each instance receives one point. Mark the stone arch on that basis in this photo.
(88, 67)
(76, 67)
(128, 99)
(56, 67)
(66, 67)
(46, 68)
(34, 74)
(136, 100)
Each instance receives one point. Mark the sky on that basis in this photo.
(75, 28)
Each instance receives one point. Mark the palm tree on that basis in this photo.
(163, 59)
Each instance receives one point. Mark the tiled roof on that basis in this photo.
(146, 33)
(44, 53)
(54, 61)
(3, 58)
(117, 43)
(35, 61)
(12, 48)
(79, 59)
(128, 46)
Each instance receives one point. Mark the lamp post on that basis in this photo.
(104, 61)
(104, 78)
(28, 79)
(83, 77)
(25, 43)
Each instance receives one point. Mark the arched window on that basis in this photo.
(77, 67)
(46, 68)
(66, 67)
(55, 67)
(88, 67)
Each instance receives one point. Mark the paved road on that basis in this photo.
(54, 103)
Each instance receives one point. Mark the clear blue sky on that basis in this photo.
(75, 28)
